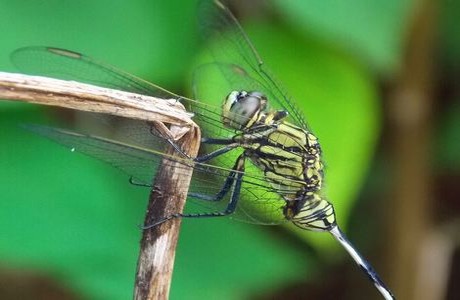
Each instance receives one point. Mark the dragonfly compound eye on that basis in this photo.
(241, 108)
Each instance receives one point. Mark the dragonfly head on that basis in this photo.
(242, 109)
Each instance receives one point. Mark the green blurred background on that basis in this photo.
(379, 84)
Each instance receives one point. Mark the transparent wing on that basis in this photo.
(259, 203)
(141, 163)
(241, 67)
(70, 65)
(239, 60)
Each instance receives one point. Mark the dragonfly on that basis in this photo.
(259, 161)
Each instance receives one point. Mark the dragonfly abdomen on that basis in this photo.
(313, 212)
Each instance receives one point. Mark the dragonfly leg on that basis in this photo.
(223, 191)
(202, 158)
(215, 141)
(216, 153)
(160, 130)
(238, 172)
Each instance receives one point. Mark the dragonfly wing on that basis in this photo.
(241, 67)
(260, 203)
(142, 164)
(232, 47)
(70, 65)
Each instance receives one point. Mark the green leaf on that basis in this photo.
(339, 100)
(372, 31)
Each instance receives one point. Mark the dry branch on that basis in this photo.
(86, 97)
(168, 196)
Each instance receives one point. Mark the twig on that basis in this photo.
(86, 97)
(168, 196)
(156, 258)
